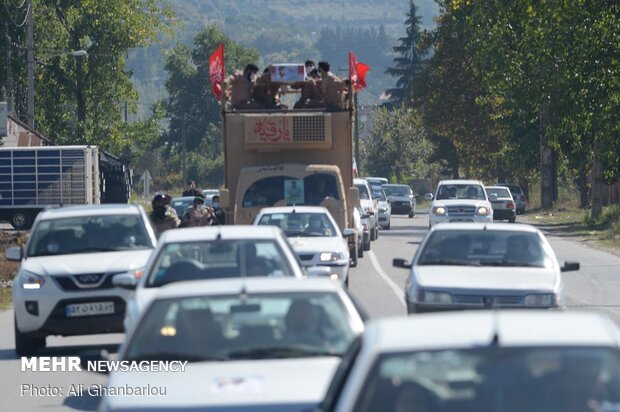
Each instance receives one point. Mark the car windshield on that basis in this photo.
(218, 259)
(311, 190)
(396, 190)
(180, 205)
(495, 379)
(301, 224)
(363, 191)
(460, 191)
(89, 234)
(243, 326)
(485, 248)
(502, 193)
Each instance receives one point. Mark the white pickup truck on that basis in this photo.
(460, 201)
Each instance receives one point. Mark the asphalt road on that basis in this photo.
(377, 285)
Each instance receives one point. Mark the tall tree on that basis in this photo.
(409, 56)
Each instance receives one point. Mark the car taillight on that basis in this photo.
(510, 205)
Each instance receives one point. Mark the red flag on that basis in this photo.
(217, 71)
(357, 72)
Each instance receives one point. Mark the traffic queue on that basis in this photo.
(263, 315)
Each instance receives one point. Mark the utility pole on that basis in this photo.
(546, 164)
(184, 149)
(9, 72)
(30, 65)
(357, 137)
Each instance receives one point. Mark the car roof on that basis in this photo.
(496, 187)
(183, 198)
(290, 209)
(249, 285)
(460, 182)
(395, 184)
(376, 178)
(489, 227)
(90, 210)
(225, 232)
(360, 181)
(462, 330)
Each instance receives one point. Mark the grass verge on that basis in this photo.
(8, 270)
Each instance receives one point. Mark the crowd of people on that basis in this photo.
(246, 90)
(164, 217)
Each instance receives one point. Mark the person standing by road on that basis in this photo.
(219, 215)
(197, 214)
(163, 216)
(191, 189)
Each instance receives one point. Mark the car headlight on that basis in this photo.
(138, 273)
(434, 297)
(332, 257)
(484, 211)
(382, 210)
(333, 276)
(31, 280)
(439, 210)
(540, 299)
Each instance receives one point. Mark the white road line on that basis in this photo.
(397, 291)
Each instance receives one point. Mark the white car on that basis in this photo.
(483, 266)
(64, 284)
(384, 210)
(255, 344)
(460, 201)
(370, 206)
(509, 361)
(314, 236)
(208, 253)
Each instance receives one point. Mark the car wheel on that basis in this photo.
(512, 219)
(411, 214)
(389, 225)
(372, 235)
(360, 251)
(21, 220)
(346, 281)
(377, 233)
(411, 308)
(26, 345)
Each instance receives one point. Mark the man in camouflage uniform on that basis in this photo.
(163, 216)
(198, 214)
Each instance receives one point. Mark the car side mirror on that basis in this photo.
(14, 253)
(125, 281)
(224, 198)
(570, 266)
(493, 197)
(401, 263)
(428, 196)
(318, 271)
(348, 232)
(354, 197)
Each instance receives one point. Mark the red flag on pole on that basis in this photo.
(357, 72)
(217, 71)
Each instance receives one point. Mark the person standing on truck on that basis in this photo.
(219, 215)
(198, 214)
(333, 88)
(163, 216)
(241, 88)
(265, 92)
(311, 92)
(191, 189)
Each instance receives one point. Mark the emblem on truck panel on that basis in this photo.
(273, 129)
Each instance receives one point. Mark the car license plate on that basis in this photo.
(461, 220)
(88, 309)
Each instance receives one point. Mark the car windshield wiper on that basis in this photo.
(449, 262)
(166, 356)
(94, 249)
(279, 353)
(509, 263)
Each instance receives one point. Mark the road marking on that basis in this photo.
(397, 291)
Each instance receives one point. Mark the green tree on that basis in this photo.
(398, 146)
(409, 55)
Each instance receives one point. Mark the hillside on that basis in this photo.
(286, 31)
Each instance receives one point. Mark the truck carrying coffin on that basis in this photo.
(36, 178)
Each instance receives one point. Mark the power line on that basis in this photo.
(20, 6)
(8, 12)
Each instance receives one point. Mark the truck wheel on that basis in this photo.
(25, 345)
(21, 220)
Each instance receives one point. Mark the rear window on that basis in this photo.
(502, 193)
(311, 190)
